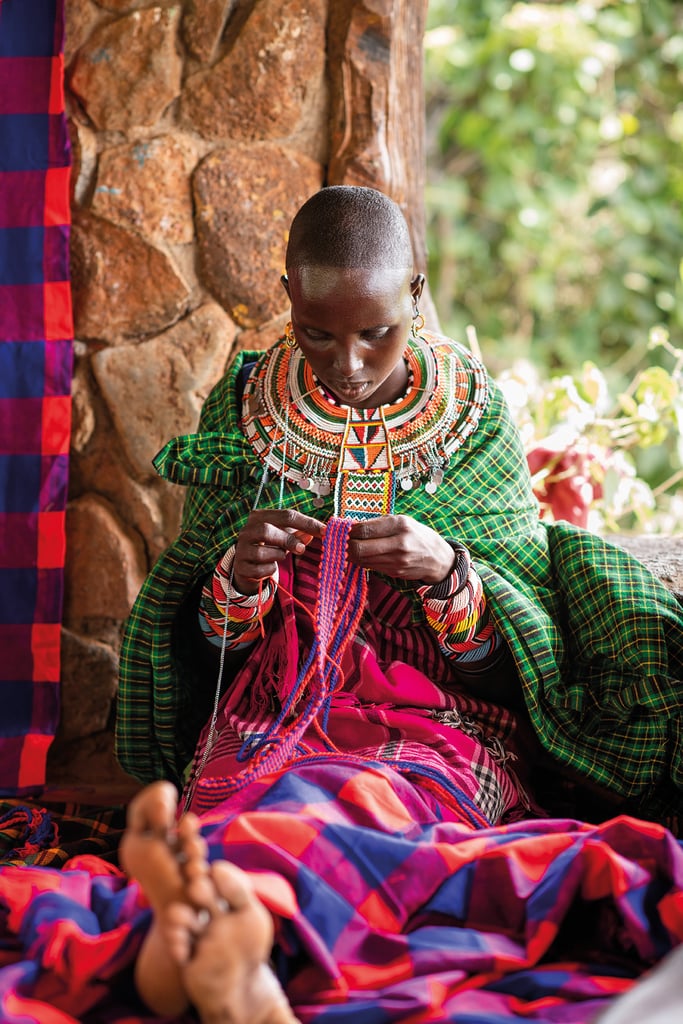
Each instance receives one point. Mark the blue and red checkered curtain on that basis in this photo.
(36, 332)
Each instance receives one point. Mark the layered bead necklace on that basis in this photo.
(299, 431)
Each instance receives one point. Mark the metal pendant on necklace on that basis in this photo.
(435, 478)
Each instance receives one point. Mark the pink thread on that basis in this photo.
(342, 591)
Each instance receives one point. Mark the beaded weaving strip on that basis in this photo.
(365, 480)
(438, 412)
(364, 495)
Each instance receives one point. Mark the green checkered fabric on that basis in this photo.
(597, 639)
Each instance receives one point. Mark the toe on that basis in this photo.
(232, 884)
(153, 809)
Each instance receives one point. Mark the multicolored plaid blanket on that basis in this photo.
(35, 382)
(385, 910)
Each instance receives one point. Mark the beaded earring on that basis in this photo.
(417, 324)
(290, 337)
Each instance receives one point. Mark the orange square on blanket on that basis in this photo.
(58, 311)
(56, 427)
(374, 909)
(295, 837)
(33, 759)
(57, 196)
(51, 540)
(373, 793)
(56, 103)
(377, 975)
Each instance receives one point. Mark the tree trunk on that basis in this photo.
(377, 107)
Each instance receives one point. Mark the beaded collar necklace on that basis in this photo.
(362, 455)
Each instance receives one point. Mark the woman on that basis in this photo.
(382, 649)
(361, 414)
(355, 413)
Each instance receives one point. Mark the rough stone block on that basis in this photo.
(155, 389)
(129, 70)
(263, 87)
(245, 198)
(146, 186)
(121, 285)
(105, 565)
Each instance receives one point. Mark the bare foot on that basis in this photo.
(227, 976)
(210, 939)
(149, 847)
(159, 853)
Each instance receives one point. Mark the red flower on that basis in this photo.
(565, 485)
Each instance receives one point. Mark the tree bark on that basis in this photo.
(377, 124)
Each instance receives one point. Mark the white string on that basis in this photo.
(213, 732)
(283, 467)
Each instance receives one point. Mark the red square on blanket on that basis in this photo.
(45, 638)
(56, 425)
(58, 312)
(51, 540)
(56, 100)
(32, 763)
(56, 210)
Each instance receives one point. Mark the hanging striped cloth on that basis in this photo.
(36, 332)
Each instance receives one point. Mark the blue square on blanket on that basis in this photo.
(326, 910)
(293, 792)
(33, 35)
(374, 855)
(20, 480)
(18, 592)
(17, 699)
(22, 369)
(453, 896)
(22, 255)
(24, 141)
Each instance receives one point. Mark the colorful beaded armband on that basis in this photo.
(456, 610)
(245, 611)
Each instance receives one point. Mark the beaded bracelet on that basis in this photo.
(245, 611)
(456, 610)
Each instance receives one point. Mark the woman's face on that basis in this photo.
(352, 326)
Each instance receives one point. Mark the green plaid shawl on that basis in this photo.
(597, 639)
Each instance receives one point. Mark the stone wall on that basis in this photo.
(197, 129)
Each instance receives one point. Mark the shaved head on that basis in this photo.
(349, 226)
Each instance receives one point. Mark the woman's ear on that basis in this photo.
(416, 286)
(284, 280)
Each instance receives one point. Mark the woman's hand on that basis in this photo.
(401, 547)
(268, 536)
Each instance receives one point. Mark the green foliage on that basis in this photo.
(555, 159)
(555, 180)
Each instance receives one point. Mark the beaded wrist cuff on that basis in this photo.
(456, 610)
(245, 612)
